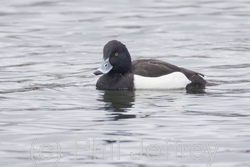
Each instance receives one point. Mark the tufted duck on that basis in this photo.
(120, 73)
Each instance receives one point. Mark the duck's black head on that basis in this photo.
(116, 59)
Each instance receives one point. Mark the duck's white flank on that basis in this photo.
(174, 80)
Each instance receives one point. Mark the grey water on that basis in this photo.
(52, 115)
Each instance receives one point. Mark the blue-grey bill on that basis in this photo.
(105, 68)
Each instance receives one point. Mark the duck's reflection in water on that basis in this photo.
(118, 102)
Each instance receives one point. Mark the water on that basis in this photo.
(51, 113)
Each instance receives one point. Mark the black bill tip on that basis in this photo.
(97, 72)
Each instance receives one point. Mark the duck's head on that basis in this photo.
(116, 59)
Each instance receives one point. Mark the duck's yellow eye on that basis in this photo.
(116, 54)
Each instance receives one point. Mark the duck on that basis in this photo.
(119, 72)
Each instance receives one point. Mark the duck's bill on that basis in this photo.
(105, 68)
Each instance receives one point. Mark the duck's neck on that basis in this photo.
(123, 69)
